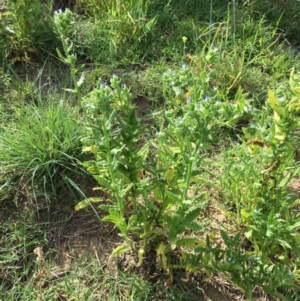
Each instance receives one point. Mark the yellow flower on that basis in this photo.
(184, 39)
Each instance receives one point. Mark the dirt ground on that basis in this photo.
(83, 237)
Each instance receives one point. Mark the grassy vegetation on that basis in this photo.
(166, 132)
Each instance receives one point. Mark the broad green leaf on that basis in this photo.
(175, 150)
(191, 216)
(120, 250)
(170, 221)
(172, 198)
(279, 134)
(121, 174)
(91, 149)
(198, 179)
(276, 117)
(244, 214)
(226, 238)
(191, 243)
(280, 137)
(193, 226)
(170, 173)
(85, 203)
(275, 104)
(248, 234)
(158, 193)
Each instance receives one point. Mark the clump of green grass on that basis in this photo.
(41, 150)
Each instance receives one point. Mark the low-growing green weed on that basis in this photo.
(146, 195)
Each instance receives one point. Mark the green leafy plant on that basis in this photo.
(243, 269)
(26, 28)
(64, 22)
(255, 184)
(146, 195)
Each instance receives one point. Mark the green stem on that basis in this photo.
(72, 67)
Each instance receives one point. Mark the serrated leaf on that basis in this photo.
(275, 104)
